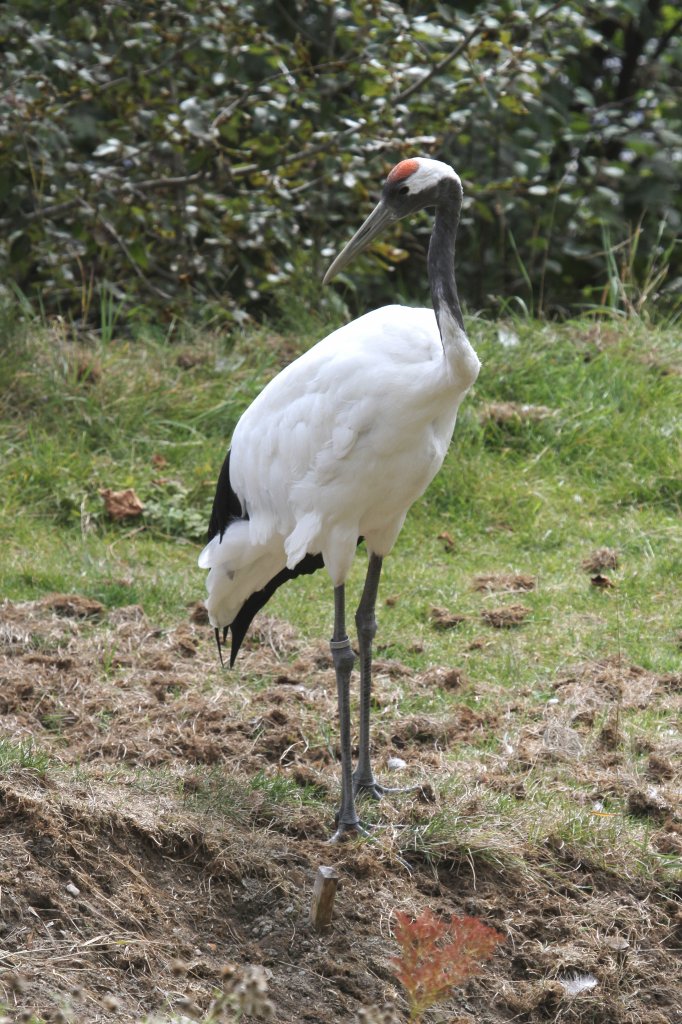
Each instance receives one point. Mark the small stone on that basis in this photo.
(617, 943)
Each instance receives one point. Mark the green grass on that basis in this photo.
(533, 496)
(22, 755)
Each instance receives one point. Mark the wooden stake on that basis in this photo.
(324, 893)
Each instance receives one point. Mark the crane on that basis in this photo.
(337, 447)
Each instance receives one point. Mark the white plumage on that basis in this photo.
(341, 443)
(336, 447)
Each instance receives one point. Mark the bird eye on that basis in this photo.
(403, 191)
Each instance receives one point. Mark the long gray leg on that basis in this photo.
(363, 777)
(343, 657)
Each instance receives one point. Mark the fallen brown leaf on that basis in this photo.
(121, 504)
(599, 580)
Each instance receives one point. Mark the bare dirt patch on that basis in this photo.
(183, 813)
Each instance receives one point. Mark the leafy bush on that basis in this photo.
(156, 156)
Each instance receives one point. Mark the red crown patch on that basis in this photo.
(403, 170)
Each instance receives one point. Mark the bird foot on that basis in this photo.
(346, 832)
(376, 791)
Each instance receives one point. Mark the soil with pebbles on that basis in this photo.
(144, 842)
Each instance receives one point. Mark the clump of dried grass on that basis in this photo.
(441, 618)
(503, 413)
(503, 581)
(601, 558)
(507, 616)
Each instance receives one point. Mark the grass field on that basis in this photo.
(529, 645)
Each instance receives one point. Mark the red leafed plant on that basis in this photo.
(438, 955)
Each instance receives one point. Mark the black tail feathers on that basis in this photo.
(226, 509)
(226, 505)
(240, 625)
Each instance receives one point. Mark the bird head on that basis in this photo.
(411, 186)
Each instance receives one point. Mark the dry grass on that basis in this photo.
(182, 813)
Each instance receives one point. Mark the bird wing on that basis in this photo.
(322, 429)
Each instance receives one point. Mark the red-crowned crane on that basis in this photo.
(338, 446)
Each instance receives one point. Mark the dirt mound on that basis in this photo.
(155, 811)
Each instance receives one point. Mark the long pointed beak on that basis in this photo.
(380, 217)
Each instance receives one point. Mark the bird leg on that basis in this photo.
(348, 822)
(363, 777)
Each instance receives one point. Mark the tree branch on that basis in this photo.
(666, 38)
(228, 111)
(151, 183)
(146, 184)
(402, 96)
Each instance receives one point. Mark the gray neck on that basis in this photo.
(442, 258)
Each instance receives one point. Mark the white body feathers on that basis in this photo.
(338, 446)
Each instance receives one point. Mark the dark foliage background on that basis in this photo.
(162, 157)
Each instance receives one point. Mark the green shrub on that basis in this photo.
(156, 156)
